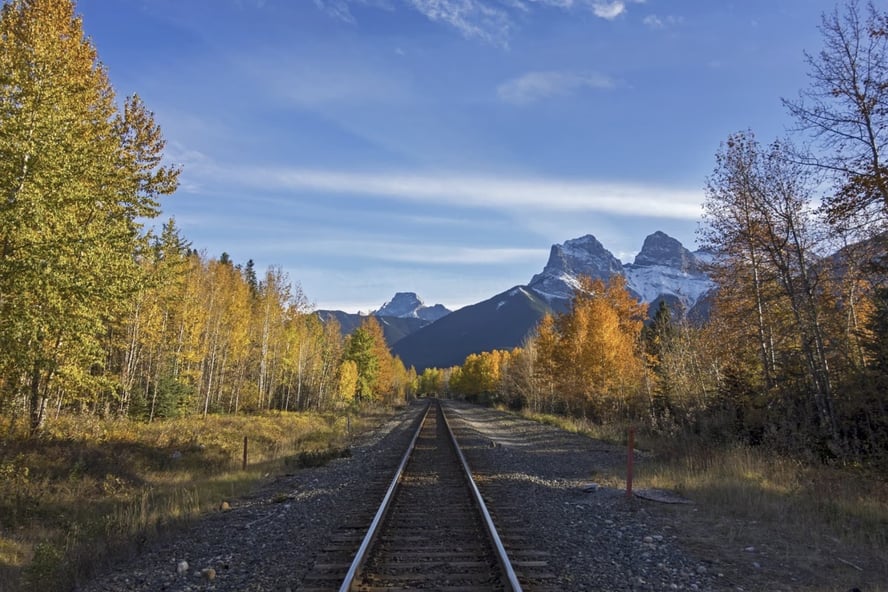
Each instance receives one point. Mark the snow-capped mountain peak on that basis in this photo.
(663, 268)
(661, 249)
(576, 257)
(409, 305)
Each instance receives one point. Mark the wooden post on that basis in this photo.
(630, 462)
(244, 467)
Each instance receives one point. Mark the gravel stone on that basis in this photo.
(600, 541)
(268, 540)
(533, 475)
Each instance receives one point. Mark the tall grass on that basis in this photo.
(809, 514)
(87, 488)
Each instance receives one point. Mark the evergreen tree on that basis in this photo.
(250, 277)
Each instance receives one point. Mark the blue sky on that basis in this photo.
(442, 146)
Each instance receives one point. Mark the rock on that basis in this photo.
(648, 539)
(749, 549)
(182, 568)
(176, 455)
(661, 495)
(208, 573)
(591, 488)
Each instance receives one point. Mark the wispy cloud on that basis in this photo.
(491, 21)
(410, 252)
(511, 195)
(340, 8)
(374, 248)
(662, 22)
(337, 9)
(321, 81)
(535, 86)
(472, 18)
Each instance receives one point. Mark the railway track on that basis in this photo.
(432, 530)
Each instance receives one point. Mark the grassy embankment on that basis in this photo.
(761, 516)
(88, 489)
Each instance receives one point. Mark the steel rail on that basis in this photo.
(501, 555)
(358, 562)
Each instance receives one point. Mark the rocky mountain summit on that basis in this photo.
(663, 270)
(661, 249)
(568, 261)
(407, 305)
(404, 314)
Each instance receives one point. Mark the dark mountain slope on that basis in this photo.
(501, 322)
(393, 328)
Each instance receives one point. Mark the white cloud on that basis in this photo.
(337, 9)
(511, 195)
(657, 22)
(410, 252)
(609, 10)
(556, 3)
(654, 22)
(491, 21)
(472, 18)
(612, 9)
(535, 86)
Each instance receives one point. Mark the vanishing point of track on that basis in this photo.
(432, 530)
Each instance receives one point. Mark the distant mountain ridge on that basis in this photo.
(408, 305)
(663, 270)
(426, 336)
(404, 314)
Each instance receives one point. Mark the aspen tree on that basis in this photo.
(845, 111)
(76, 175)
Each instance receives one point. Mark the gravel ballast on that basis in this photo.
(598, 540)
(267, 542)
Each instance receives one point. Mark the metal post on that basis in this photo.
(244, 467)
(630, 462)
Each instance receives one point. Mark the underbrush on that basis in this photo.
(609, 432)
(824, 522)
(87, 489)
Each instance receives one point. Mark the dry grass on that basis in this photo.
(761, 519)
(807, 527)
(89, 488)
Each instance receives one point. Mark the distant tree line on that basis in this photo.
(99, 315)
(795, 352)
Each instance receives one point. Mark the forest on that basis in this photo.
(794, 353)
(134, 366)
(103, 316)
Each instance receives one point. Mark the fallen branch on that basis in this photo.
(857, 567)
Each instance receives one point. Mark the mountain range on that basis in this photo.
(404, 314)
(423, 337)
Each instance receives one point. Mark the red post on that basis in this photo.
(630, 462)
